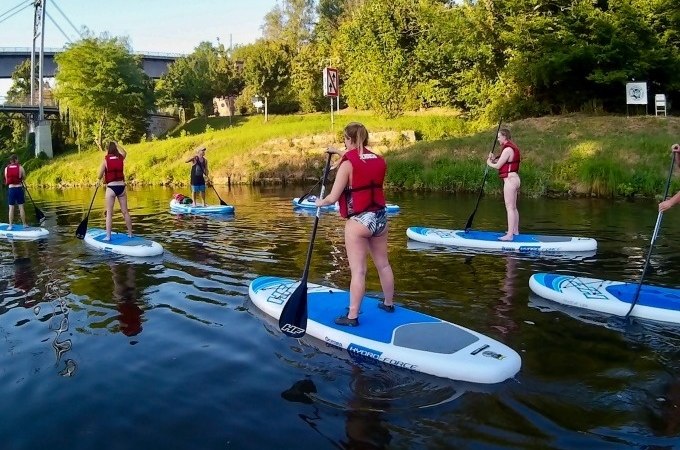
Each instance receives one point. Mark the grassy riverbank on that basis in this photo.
(578, 154)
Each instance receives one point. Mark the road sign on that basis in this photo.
(331, 88)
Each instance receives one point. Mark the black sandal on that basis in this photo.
(386, 308)
(346, 321)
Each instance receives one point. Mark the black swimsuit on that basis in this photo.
(117, 190)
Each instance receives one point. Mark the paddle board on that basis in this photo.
(488, 240)
(121, 244)
(22, 232)
(404, 338)
(209, 209)
(308, 203)
(610, 297)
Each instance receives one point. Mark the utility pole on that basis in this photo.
(42, 132)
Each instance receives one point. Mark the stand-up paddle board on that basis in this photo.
(610, 297)
(489, 240)
(308, 203)
(404, 338)
(209, 209)
(122, 244)
(22, 232)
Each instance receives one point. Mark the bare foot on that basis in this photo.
(9, 227)
(106, 239)
(507, 237)
(129, 235)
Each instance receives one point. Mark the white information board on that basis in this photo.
(636, 93)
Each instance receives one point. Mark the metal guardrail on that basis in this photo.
(59, 50)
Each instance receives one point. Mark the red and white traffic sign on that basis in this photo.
(331, 87)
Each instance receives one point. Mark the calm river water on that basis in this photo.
(107, 352)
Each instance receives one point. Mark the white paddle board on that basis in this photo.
(22, 232)
(122, 244)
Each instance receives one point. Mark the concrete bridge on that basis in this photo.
(154, 64)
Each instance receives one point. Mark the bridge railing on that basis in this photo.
(161, 55)
(26, 101)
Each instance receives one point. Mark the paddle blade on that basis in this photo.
(82, 229)
(293, 320)
(223, 203)
(40, 216)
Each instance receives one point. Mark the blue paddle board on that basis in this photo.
(489, 240)
(122, 244)
(404, 338)
(308, 203)
(22, 232)
(610, 297)
(208, 209)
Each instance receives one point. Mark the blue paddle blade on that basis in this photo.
(293, 320)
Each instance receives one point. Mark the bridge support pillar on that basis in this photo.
(43, 139)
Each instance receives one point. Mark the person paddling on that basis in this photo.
(667, 204)
(14, 176)
(199, 173)
(358, 187)
(508, 169)
(112, 170)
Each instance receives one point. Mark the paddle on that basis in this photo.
(82, 228)
(468, 224)
(651, 243)
(218, 195)
(293, 320)
(308, 192)
(39, 216)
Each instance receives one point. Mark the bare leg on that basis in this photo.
(510, 189)
(10, 217)
(378, 247)
(22, 214)
(193, 197)
(203, 197)
(356, 245)
(122, 200)
(109, 199)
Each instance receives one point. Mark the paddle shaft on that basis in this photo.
(468, 224)
(293, 319)
(39, 216)
(316, 221)
(651, 243)
(82, 228)
(222, 202)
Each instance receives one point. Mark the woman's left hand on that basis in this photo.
(319, 203)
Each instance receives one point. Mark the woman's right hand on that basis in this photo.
(333, 151)
(675, 148)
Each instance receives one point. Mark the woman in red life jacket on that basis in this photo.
(112, 170)
(14, 175)
(358, 187)
(667, 204)
(508, 168)
(199, 173)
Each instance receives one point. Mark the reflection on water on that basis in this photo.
(174, 339)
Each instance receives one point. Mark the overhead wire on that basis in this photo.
(25, 5)
(54, 3)
(68, 38)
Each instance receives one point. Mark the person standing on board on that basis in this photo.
(358, 187)
(667, 204)
(112, 169)
(508, 169)
(199, 173)
(14, 176)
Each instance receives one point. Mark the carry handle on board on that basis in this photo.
(468, 224)
(82, 228)
(651, 243)
(293, 320)
(39, 216)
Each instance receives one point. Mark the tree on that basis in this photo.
(104, 90)
(20, 90)
(266, 71)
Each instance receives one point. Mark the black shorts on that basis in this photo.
(117, 190)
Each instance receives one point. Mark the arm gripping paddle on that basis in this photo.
(293, 320)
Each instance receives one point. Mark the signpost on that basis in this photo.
(331, 86)
(636, 94)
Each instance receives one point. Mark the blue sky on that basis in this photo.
(173, 26)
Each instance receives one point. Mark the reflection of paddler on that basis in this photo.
(24, 275)
(125, 296)
(364, 426)
(505, 323)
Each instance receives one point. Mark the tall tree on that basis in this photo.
(104, 89)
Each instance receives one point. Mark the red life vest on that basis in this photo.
(114, 169)
(13, 174)
(366, 193)
(510, 166)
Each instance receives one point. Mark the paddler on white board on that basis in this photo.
(112, 169)
(507, 165)
(358, 187)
